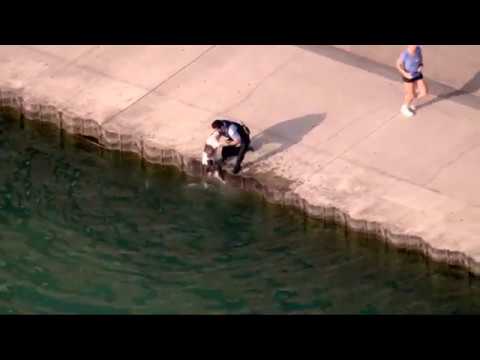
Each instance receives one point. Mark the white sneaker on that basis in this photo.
(406, 111)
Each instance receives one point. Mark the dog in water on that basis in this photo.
(212, 156)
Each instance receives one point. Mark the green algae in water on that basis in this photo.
(84, 230)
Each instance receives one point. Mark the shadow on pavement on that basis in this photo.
(469, 88)
(286, 133)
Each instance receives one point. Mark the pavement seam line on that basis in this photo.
(159, 85)
(90, 70)
(451, 162)
(64, 66)
(260, 83)
(340, 156)
(100, 73)
(351, 122)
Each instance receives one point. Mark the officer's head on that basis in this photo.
(217, 124)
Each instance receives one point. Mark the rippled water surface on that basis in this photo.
(86, 231)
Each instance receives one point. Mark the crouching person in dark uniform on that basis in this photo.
(238, 137)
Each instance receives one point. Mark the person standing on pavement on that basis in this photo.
(410, 65)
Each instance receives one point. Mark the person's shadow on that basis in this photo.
(469, 88)
(285, 134)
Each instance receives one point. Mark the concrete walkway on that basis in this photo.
(328, 133)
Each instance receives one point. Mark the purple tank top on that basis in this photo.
(412, 63)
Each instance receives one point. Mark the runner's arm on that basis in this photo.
(420, 68)
(401, 69)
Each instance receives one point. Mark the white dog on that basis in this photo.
(212, 156)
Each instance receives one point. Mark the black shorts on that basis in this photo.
(416, 78)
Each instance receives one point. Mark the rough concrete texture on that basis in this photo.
(326, 126)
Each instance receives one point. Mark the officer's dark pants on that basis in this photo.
(238, 151)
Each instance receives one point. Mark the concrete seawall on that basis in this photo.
(325, 124)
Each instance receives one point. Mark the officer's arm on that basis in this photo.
(235, 137)
(236, 141)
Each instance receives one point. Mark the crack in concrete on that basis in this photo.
(210, 48)
(89, 69)
(347, 125)
(341, 156)
(257, 86)
(397, 178)
(450, 163)
(64, 66)
(106, 76)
